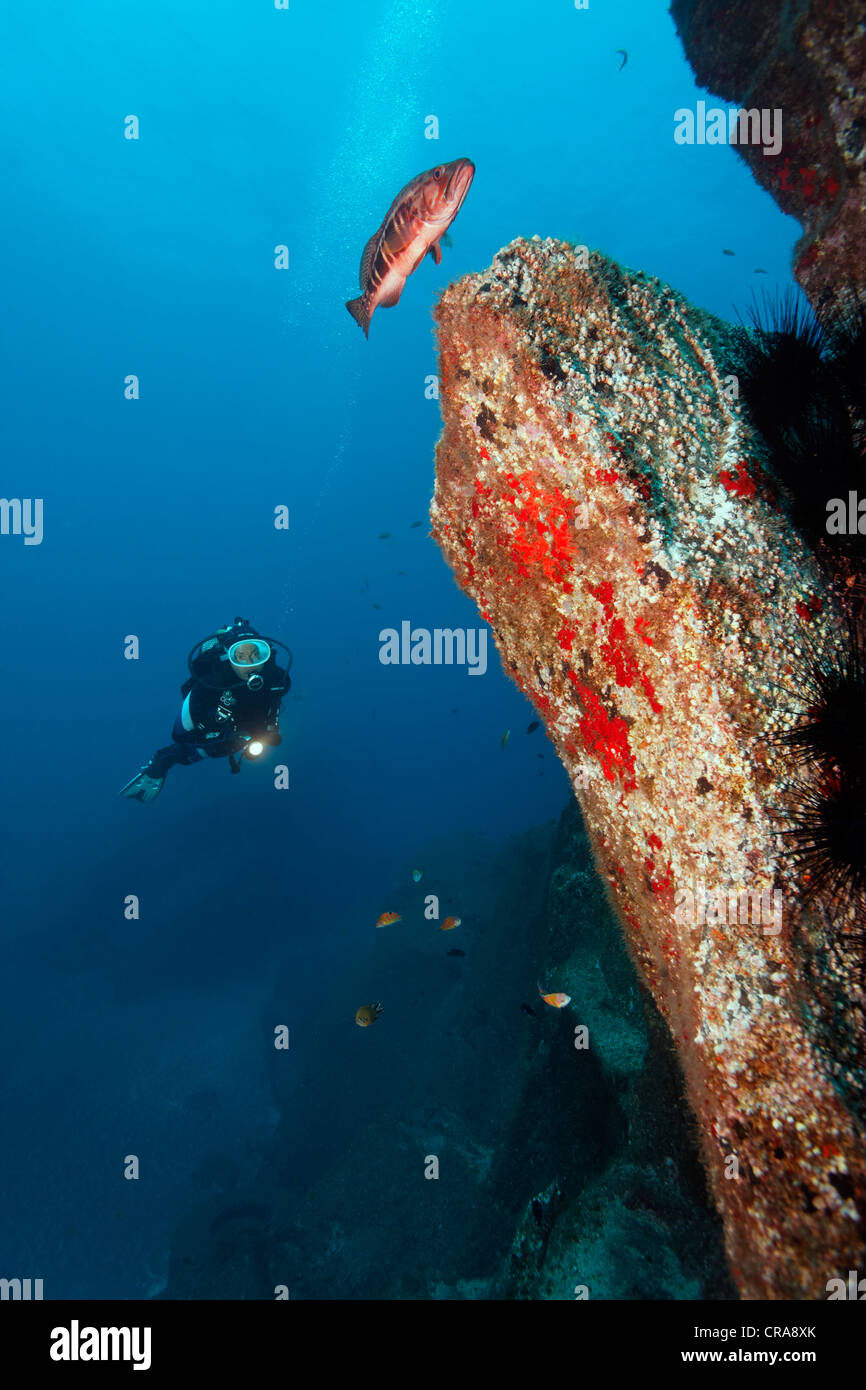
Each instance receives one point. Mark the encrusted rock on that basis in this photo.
(807, 59)
(601, 497)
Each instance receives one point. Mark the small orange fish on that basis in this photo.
(388, 919)
(556, 1001)
(367, 1014)
(450, 923)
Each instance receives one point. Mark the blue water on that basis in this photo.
(261, 127)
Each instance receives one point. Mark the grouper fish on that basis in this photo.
(415, 222)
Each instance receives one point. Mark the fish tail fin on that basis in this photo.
(358, 309)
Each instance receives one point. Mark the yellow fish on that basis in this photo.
(556, 1001)
(367, 1014)
(450, 923)
(388, 919)
(505, 737)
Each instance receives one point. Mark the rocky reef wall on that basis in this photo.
(558, 1167)
(807, 59)
(601, 496)
(619, 1206)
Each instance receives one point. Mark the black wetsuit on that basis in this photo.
(224, 709)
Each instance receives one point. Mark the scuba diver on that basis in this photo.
(231, 705)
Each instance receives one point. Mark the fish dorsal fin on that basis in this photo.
(367, 259)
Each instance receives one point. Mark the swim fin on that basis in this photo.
(143, 786)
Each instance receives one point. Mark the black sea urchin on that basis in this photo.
(828, 841)
(799, 381)
(832, 692)
(826, 835)
(783, 370)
